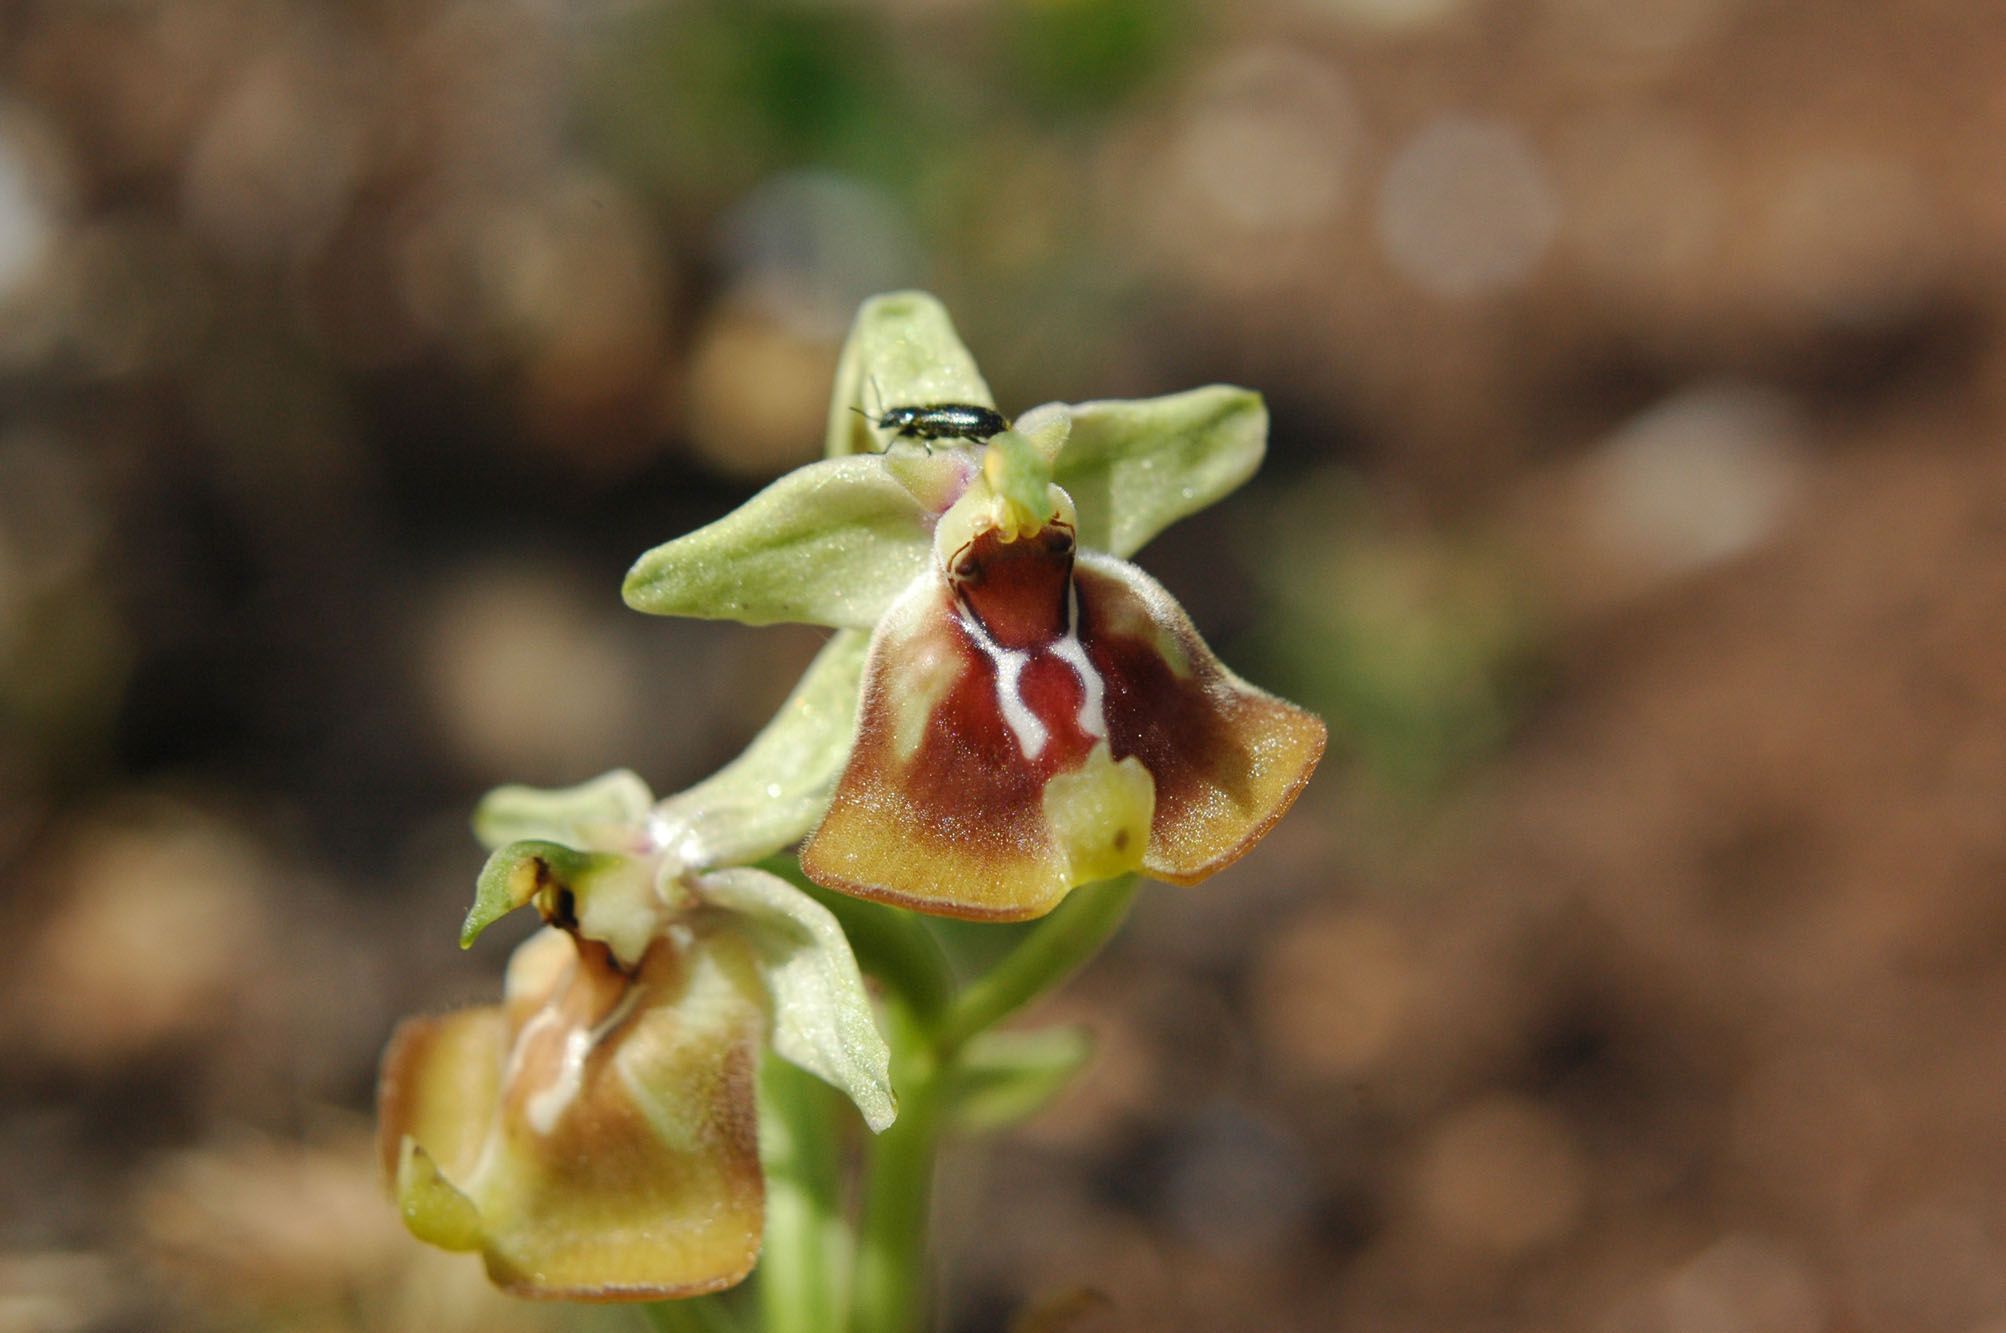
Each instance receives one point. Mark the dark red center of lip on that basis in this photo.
(1016, 589)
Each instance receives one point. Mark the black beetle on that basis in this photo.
(940, 421)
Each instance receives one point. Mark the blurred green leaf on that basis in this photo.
(1076, 56)
(1004, 1077)
(1414, 644)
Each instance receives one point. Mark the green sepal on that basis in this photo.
(897, 947)
(822, 1018)
(832, 543)
(1004, 1077)
(601, 813)
(902, 352)
(776, 791)
(1135, 467)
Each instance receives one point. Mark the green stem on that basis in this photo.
(1060, 944)
(802, 1264)
(891, 1279)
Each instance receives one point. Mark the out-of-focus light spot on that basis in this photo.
(1253, 174)
(1390, 15)
(523, 679)
(37, 203)
(1270, 141)
(1702, 477)
(574, 285)
(1467, 209)
(272, 170)
(25, 225)
(807, 247)
(152, 929)
(758, 394)
(58, 1292)
(562, 282)
(1504, 1174)
(1334, 992)
(1852, 238)
(1743, 1283)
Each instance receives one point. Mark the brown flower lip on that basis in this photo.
(1021, 664)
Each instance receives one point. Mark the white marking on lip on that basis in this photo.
(1093, 714)
(548, 1106)
(1025, 725)
(1029, 729)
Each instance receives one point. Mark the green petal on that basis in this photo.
(773, 793)
(832, 543)
(612, 898)
(822, 1019)
(1135, 467)
(901, 352)
(1008, 1076)
(599, 815)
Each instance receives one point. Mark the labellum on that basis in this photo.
(1034, 718)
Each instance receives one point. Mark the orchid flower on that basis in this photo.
(595, 1135)
(1035, 713)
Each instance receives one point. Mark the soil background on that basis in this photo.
(1635, 513)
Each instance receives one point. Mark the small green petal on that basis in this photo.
(822, 1019)
(1047, 426)
(1134, 468)
(511, 877)
(775, 792)
(832, 543)
(1008, 1076)
(1015, 471)
(599, 815)
(901, 352)
(612, 898)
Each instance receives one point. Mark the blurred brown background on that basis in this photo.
(1636, 513)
